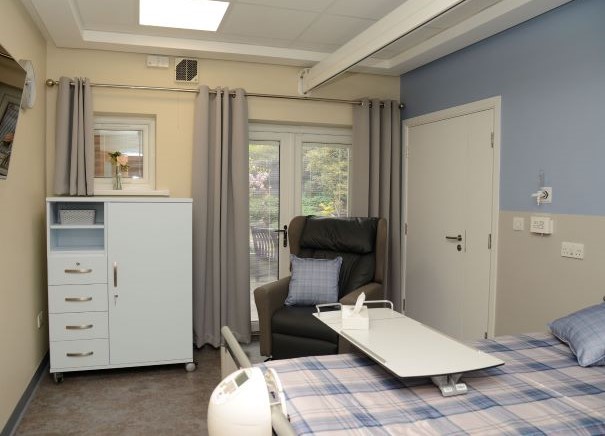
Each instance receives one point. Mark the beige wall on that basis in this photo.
(535, 284)
(174, 111)
(22, 246)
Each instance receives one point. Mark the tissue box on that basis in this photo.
(355, 321)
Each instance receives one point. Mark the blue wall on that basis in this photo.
(550, 72)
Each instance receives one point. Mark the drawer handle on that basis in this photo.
(78, 270)
(77, 299)
(88, 353)
(79, 327)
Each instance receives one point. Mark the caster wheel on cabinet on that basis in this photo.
(58, 377)
(190, 367)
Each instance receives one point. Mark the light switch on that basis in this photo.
(541, 224)
(518, 223)
(158, 61)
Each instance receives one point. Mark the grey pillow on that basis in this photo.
(313, 281)
(584, 332)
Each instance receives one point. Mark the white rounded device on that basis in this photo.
(240, 405)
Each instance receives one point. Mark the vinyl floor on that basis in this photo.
(160, 400)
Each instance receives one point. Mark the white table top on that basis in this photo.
(408, 348)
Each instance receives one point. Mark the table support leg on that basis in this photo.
(450, 384)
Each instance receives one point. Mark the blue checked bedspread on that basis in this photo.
(540, 390)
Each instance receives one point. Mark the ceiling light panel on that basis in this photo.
(182, 14)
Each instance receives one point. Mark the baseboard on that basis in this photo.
(21, 407)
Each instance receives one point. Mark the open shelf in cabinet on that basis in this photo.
(74, 236)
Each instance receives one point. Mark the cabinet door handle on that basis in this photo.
(115, 274)
(79, 327)
(77, 299)
(78, 270)
(88, 353)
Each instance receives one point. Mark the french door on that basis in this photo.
(292, 171)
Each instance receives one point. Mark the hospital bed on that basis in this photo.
(541, 389)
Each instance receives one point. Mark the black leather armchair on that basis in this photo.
(292, 331)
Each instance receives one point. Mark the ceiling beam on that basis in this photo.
(486, 23)
(407, 17)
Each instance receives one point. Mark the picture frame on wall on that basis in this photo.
(8, 124)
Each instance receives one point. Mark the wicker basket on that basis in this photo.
(77, 216)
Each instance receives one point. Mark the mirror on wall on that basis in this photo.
(12, 81)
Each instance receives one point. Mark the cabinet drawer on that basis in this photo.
(77, 298)
(72, 326)
(79, 354)
(77, 270)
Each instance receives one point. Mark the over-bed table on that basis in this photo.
(541, 389)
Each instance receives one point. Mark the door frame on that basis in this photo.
(495, 104)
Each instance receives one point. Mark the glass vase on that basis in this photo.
(117, 178)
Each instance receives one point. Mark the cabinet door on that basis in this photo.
(149, 282)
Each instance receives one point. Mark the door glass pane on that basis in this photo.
(128, 142)
(264, 214)
(325, 179)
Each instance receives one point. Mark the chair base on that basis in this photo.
(287, 347)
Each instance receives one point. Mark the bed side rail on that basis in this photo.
(281, 425)
(234, 349)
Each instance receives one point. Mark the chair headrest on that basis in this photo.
(352, 235)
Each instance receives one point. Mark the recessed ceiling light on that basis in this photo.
(182, 14)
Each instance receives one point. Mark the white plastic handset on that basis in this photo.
(359, 303)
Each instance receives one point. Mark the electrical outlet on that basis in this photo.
(518, 223)
(572, 249)
(40, 319)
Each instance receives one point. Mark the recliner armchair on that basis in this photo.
(293, 331)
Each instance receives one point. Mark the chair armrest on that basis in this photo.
(268, 299)
(373, 292)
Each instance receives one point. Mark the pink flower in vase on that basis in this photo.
(122, 160)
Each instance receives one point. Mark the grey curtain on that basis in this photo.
(221, 278)
(74, 141)
(377, 165)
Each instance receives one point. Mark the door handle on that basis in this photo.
(115, 283)
(285, 232)
(115, 274)
(454, 238)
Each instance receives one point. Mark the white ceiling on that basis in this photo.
(289, 32)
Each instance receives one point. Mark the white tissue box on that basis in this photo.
(355, 321)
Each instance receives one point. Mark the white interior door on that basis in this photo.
(149, 246)
(450, 164)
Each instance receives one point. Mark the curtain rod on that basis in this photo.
(50, 83)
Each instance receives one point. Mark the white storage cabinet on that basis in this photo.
(119, 283)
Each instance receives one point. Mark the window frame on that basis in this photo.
(292, 139)
(147, 125)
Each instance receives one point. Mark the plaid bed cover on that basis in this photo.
(540, 390)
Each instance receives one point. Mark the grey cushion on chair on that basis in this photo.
(314, 281)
